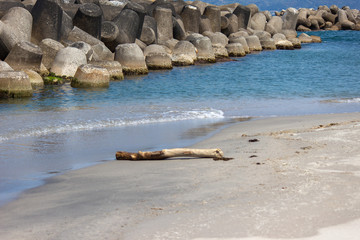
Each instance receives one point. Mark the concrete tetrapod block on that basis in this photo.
(100, 50)
(344, 21)
(242, 41)
(111, 9)
(329, 17)
(253, 8)
(193, 36)
(357, 27)
(262, 35)
(351, 15)
(157, 61)
(141, 44)
(171, 44)
(295, 42)
(156, 57)
(267, 15)
(66, 26)
(233, 25)
(253, 43)
(128, 22)
(148, 36)
(149, 31)
(69, 7)
(49, 49)
(224, 22)
(220, 51)
(274, 25)
(213, 13)
(88, 18)
(282, 43)
(319, 18)
(334, 9)
(205, 52)
(290, 18)
(109, 31)
(328, 25)
(21, 21)
(91, 76)
(184, 54)
(217, 38)
(302, 28)
(258, 21)
(154, 48)
(6, 5)
(179, 6)
(5, 67)
(190, 16)
(314, 23)
(15, 85)
(305, 38)
(163, 17)
(219, 41)
(204, 25)
(289, 33)
(35, 79)
(201, 5)
(240, 33)
(316, 39)
(15, 27)
(25, 55)
(140, 10)
(131, 58)
(67, 61)
(279, 37)
(235, 50)
(163, 4)
(114, 68)
(47, 20)
(85, 48)
(179, 31)
(268, 44)
(244, 14)
(303, 18)
(77, 34)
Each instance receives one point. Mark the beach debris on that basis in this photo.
(216, 154)
(327, 125)
(306, 148)
(253, 156)
(254, 140)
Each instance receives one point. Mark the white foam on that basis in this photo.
(343, 100)
(88, 125)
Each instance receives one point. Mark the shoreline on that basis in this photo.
(262, 196)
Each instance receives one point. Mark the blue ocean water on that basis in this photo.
(61, 128)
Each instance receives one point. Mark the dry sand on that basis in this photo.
(301, 179)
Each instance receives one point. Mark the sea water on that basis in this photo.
(62, 128)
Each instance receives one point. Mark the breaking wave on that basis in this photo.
(342, 100)
(89, 125)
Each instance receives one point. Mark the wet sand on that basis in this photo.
(298, 178)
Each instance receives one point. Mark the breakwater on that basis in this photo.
(62, 128)
(92, 43)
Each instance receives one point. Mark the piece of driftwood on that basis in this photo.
(216, 154)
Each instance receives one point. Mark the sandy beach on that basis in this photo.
(299, 177)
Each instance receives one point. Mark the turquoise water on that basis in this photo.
(61, 128)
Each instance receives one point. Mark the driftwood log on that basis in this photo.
(216, 154)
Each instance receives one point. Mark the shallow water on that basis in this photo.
(61, 128)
